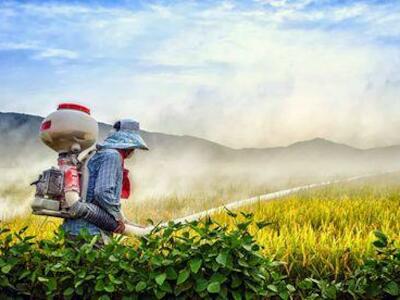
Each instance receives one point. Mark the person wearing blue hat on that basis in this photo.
(99, 210)
(125, 136)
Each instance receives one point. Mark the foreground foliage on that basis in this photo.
(322, 233)
(182, 261)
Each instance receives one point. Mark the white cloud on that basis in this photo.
(18, 46)
(254, 77)
(57, 53)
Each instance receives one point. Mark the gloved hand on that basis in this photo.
(120, 228)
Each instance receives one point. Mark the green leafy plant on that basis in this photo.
(187, 261)
(377, 278)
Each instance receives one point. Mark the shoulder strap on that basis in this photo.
(85, 174)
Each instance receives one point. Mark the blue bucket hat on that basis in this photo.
(125, 135)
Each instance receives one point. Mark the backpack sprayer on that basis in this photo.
(70, 131)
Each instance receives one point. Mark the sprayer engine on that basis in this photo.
(69, 131)
(50, 184)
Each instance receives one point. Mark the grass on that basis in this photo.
(323, 233)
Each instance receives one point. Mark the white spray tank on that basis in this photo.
(70, 128)
(68, 131)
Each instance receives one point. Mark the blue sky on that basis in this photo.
(242, 73)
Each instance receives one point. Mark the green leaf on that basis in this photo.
(392, 288)
(214, 287)
(230, 213)
(222, 258)
(284, 295)
(93, 241)
(249, 295)
(380, 235)
(331, 292)
(157, 260)
(236, 282)
(262, 224)
(130, 287)
(382, 240)
(272, 288)
(171, 273)
(373, 290)
(161, 278)
(6, 269)
(218, 277)
(4, 282)
(166, 287)
(159, 294)
(105, 297)
(109, 288)
(290, 288)
(195, 264)
(379, 244)
(99, 287)
(79, 290)
(242, 262)
(236, 295)
(243, 226)
(201, 285)
(114, 280)
(247, 215)
(306, 284)
(24, 274)
(68, 292)
(52, 284)
(141, 285)
(183, 276)
(113, 258)
(42, 279)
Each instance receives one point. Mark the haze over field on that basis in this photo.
(183, 166)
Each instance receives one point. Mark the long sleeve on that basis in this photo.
(105, 194)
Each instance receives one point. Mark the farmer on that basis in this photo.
(107, 182)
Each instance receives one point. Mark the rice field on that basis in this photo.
(324, 232)
(327, 231)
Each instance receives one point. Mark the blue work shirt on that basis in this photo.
(104, 189)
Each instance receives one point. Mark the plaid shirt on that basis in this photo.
(104, 189)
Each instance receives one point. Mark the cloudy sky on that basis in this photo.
(242, 73)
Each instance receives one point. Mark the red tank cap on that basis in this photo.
(74, 106)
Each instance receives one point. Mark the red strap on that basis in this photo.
(126, 182)
(126, 185)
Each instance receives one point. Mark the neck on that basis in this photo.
(122, 153)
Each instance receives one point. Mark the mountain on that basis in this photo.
(175, 159)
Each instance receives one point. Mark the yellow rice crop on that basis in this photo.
(329, 230)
